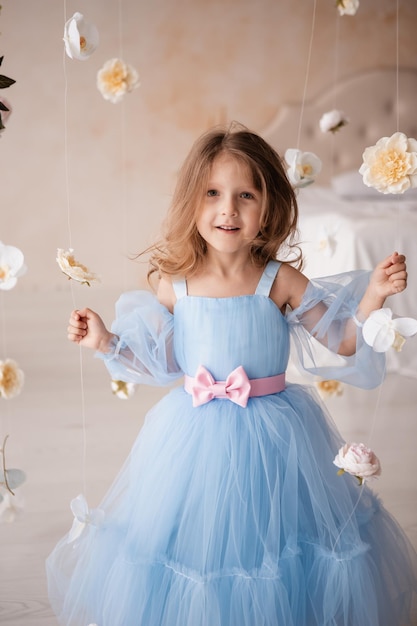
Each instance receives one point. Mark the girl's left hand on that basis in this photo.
(390, 276)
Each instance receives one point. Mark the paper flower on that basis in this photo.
(390, 166)
(115, 79)
(11, 379)
(73, 269)
(303, 167)
(332, 121)
(12, 266)
(358, 460)
(381, 331)
(80, 37)
(83, 516)
(327, 388)
(347, 7)
(122, 390)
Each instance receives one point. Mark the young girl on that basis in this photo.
(229, 510)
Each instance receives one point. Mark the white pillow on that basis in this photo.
(350, 185)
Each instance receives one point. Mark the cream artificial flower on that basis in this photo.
(327, 388)
(115, 79)
(11, 266)
(347, 7)
(73, 269)
(332, 121)
(11, 379)
(303, 167)
(358, 460)
(122, 390)
(80, 37)
(381, 331)
(390, 166)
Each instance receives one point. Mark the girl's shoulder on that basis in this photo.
(289, 287)
(165, 293)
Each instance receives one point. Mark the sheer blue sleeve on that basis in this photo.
(325, 319)
(144, 353)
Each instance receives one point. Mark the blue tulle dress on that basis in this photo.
(226, 515)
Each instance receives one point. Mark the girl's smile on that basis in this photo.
(231, 211)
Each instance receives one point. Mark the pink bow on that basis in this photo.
(204, 388)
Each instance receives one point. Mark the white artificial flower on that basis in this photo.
(83, 516)
(381, 331)
(12, 265)
(303, 167)
(390, 166)
(11, 506)
(347, 7)
(332, 121)
(80, 37)
(115, 79)
(122, 390)
(358, 460)
(73, 269)
(327, 242)
(11, 379)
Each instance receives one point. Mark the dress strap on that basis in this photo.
(267, 279)
(180, 288)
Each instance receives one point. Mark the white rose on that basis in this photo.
(358, 460)
(332, 121)
(11, 266)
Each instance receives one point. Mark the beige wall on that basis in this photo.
(200, 62)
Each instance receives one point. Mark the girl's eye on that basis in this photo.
(246, 195)
(212, 192)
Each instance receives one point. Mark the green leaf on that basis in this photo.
(5, 81)
(3, 107)
(15, 477)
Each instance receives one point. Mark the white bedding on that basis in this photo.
(339, 234)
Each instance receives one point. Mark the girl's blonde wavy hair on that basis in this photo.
(181, 250)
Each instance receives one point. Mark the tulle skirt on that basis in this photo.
(225, 516)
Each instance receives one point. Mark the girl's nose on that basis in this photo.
(229, 207)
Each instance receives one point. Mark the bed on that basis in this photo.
(344, 224)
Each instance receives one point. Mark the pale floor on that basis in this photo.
(46, 439)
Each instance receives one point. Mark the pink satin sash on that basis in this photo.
(237, 387)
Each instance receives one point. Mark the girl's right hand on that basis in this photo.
(87, 329)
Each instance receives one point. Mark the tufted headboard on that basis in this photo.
(369, 100)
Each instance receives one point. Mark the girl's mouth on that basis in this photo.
(227, 228)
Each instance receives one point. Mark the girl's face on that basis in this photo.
(230, 215)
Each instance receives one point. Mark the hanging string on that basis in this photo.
(300, 124)
(68, 211)
(123, 154)
(397, 55)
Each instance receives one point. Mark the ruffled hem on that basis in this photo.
(251, 525)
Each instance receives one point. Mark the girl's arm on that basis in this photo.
(388, 278)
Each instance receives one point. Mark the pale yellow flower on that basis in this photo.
(390, 166)
(73, 269)
(11, 379)
(122, 390)
(12, 266)
(327, 388)
(115, 79)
